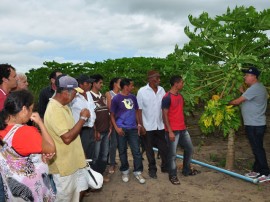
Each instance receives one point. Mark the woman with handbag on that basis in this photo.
(24, 150)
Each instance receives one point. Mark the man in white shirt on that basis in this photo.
(150, 114)
(81, 101)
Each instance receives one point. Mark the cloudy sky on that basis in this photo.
(34, 31)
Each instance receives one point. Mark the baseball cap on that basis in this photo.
(68, 82)
(84, 78)
(252, 70)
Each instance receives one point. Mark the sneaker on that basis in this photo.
(264, 178)
(174, 180)
(125, 177)
(252, 174)
(140, 178)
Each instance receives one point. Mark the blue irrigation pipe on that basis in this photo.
(255, 181)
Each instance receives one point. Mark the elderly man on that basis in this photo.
(66, 166)
(22, 81)
(149, 100)
(253, 107)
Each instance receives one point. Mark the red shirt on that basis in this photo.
(26, 140)
(174, 104)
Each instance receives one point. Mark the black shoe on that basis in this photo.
(174, 180)
(164, 170)
(191, 173)
(153, 175)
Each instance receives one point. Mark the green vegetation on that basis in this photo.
(210, 64)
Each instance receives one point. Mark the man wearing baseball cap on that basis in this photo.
(66, 166)
(253, 107)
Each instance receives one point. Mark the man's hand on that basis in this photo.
(97, 136)
(46, 157)
(85, 113)
(171, 136)
(120, 131)
(141, 130)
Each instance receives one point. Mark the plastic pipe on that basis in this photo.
(255, 181)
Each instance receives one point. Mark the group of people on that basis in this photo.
(77, 122)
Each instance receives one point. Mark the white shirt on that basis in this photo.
(78, 103)
(150, 104)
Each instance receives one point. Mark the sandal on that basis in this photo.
(192, 172)
(112, 169)
(174, 180)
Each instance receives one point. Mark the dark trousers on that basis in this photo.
(113, 147)
(156, 138)
(255, 136)
(88, 142)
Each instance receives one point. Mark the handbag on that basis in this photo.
(94, 179)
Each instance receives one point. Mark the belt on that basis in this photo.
(86, 127)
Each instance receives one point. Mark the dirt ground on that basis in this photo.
(208, 186)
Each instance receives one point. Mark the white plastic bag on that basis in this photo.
(94, 179)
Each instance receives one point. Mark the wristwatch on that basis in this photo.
(83, 118)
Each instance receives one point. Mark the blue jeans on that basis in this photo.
(255, 136)
(101, 153)
(182, 137)
(113, 146)
(132, 138)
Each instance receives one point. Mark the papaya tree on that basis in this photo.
(223, 45)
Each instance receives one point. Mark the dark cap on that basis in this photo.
(252, 70)
(84, 78)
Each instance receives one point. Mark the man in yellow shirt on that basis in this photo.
(69, 159)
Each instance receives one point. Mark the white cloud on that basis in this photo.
(34, 31)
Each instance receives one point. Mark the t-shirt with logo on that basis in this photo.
(174, 104)
(124, 108)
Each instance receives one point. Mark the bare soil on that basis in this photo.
(209, 185)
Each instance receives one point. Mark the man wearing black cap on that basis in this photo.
(253, 107)
(85, 100)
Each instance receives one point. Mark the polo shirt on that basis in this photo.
(175, 106)
(58, 120)
(150, 104)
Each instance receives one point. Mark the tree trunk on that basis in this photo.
(230, 152)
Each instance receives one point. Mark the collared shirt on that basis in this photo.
(150, 104)
(78, 103)
(69, 158)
